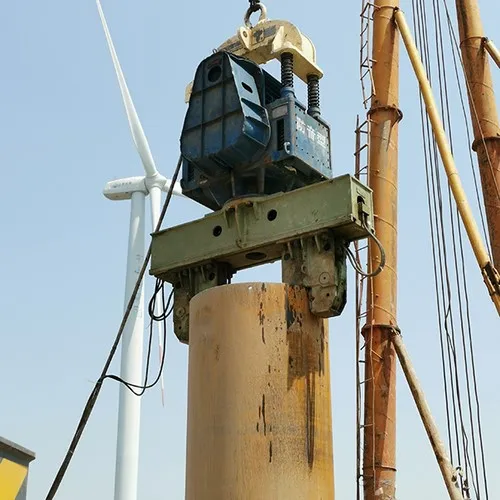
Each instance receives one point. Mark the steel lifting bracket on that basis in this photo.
(308, 229)
(266, 41)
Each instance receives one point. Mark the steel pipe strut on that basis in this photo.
(492, 51)
(490, 274)
(448, 472)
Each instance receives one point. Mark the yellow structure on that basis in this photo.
(14, 464)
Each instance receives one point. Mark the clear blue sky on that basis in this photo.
(64, 135)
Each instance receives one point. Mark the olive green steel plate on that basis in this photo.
(254, 231)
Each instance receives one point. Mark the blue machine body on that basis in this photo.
(244, 136)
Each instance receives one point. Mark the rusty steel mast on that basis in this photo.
(484, 114)
(379, 461)
(381, 333)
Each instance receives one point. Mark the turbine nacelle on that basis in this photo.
(122, 189)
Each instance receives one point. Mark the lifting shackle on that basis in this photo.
(255, 6)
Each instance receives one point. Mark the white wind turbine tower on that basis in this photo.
(135, 189)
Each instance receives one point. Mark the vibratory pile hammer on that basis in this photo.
(261, 160)
(246, 133)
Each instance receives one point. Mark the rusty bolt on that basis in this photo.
(324, 278)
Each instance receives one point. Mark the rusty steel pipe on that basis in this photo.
(379, 453)
(447, 471)
(379, 467)
(484, 114)
(259, 404)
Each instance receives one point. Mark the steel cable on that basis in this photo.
(353, 260)
(426, 153)
(455, 49)
(167, 311)
(443, 276)
(420, 22)
(446, 115)
(463, 297)
(89, 406)
(463, 437)
(455, 227)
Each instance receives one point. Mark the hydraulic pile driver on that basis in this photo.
(261, 159)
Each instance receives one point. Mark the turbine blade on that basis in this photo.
(177, 188)
(140, 140)
(155, 195)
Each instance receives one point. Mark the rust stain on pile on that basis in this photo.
(306, 350)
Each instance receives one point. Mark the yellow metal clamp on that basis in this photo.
(267, 40)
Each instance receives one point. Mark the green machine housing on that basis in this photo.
(308, 229)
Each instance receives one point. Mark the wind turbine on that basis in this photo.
(135, 189)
